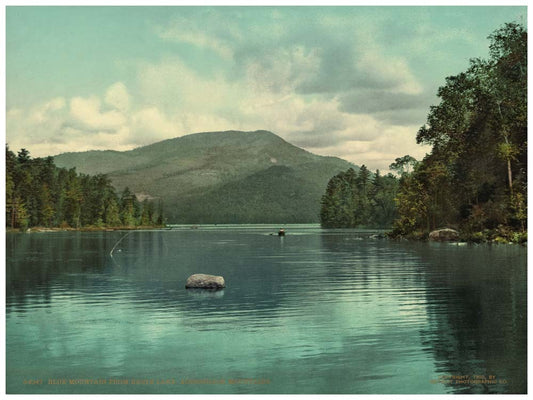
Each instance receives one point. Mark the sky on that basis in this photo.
(353, 82)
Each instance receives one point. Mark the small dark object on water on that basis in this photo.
(203, 281)
(281, 232)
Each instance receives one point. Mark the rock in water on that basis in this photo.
(203, 281)
(444, 235)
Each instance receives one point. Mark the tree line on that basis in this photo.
(38, 193)
(475, 177)
(358, 199)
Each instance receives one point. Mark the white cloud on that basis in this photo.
(172, 86)
(380, 152)
(283, 69)
(87, 113)
(41, 113)
(199, 39)
(117, 96)
(208, 35)
(26, 127)
(53, 127)
(149, 125)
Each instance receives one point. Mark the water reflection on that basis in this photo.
(477, 312)
(203, 294)
(314, 311)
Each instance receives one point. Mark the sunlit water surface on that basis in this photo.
(316, 311)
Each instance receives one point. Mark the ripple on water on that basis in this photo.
(313, 312)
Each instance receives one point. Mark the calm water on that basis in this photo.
(318, 311)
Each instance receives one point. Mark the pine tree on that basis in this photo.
(160, 219)
(127, 208)
(112, 217)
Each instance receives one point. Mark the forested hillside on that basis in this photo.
(475, 178)
(220, 177)
(40, 194)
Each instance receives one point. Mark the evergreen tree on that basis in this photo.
(73, 200)
(362, 204)
(127, 208)
(160, 219)
(112, 216)
(46, 207)
(147, 213)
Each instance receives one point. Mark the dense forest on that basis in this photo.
(39, 194)
(358, 199)
(475, 177)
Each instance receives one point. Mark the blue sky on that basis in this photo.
(354, 82)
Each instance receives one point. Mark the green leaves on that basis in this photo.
(403, 165)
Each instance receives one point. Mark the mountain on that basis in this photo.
(219, 177)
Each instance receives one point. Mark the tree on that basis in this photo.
(23, 156)
(147, 213)
(403, 165)
(361, 193)
(382, 200)
(73, 199)
(112, 217)
(160, 219)
(127, 208)
(46, 209)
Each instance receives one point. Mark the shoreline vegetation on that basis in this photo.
(42, 196)
(494, 236)
(474, 179)
(490, 236)
(42, 229)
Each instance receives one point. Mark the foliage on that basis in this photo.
(355, 199)
(403, 165)
(40, 194)
(475, 177)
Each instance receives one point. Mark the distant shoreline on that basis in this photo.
(38, 229)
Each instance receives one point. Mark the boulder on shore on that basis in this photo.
(203, 281)
(444, 235)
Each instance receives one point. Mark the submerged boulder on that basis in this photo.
(444, 235)
(203, 281)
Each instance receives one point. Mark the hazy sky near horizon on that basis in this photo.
(353, 82)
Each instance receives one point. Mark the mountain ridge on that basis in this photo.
(196, 173)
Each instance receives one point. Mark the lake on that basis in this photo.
(316, 311)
